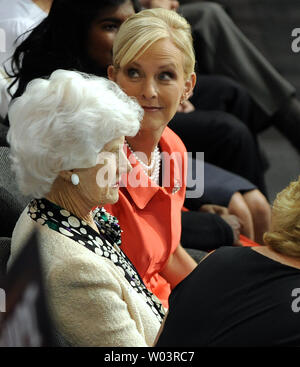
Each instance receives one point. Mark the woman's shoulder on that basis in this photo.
(249, 260)
(172, 140)
(24, 228)
(227, 254)
(229, 260)
(55, 248)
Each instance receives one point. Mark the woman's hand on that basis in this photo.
(232, 220)
(214, 209)
(235, 225)
(238, 207)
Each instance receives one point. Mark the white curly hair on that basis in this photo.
(62, 123)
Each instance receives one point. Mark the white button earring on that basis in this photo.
(75, 179)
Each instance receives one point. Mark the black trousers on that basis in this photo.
(220, 127)
(221, 48)
(224, 127)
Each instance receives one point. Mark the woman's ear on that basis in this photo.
(65, 175)
(189, 86)
(111, 73)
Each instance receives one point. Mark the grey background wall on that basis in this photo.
(269, 24)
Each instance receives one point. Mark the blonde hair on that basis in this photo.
(284, 236)
(143, 29)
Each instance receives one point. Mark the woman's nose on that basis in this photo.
(149, 89)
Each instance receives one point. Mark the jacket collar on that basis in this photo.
(141, 188)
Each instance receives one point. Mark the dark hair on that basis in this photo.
(58, 42)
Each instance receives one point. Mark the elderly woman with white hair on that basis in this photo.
(66, 136)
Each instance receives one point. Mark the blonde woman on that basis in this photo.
(252, 297)
(153, 61)
(156, 66)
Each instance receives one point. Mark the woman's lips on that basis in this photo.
(151, 108)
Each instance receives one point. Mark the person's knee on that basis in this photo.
(239, 207)
(258, 205)
(237, 204)
(261, 213)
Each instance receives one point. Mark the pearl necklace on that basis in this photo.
(153, 167)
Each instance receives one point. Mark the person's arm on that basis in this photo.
(88, 305)
(160, 329)
(230, 219)
(179, 265)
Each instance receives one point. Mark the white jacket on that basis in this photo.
(91, 302)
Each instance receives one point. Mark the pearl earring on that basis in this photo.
(183, 99)
(75, 179)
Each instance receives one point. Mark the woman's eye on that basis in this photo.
(166, 76)
(132, 73)
(110, 27)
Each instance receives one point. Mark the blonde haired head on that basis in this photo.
(284, 236)
(143, 29)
